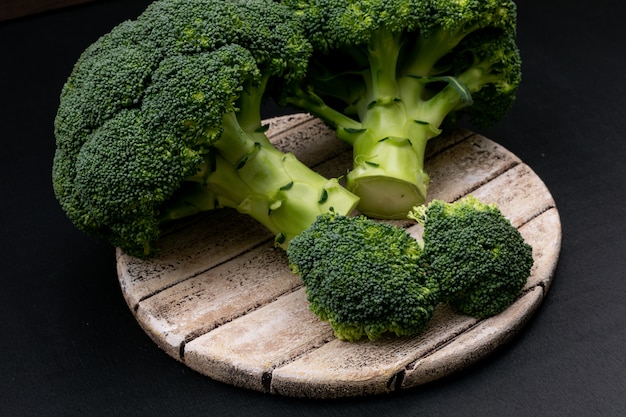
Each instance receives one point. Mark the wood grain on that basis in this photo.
(232, 310)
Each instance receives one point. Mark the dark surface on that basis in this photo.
(69, 346)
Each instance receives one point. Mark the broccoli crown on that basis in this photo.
(410, 38)
(389, 75)
(332, 24)
(480, 260)
(364, 277)
(336, 23)
(144, 107)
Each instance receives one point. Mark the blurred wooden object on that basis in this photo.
(11, 9)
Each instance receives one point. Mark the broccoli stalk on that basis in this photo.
(388, 76)
(244, 171)
(161, 119)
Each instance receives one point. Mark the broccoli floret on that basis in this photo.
(478, 257)
(365, 278)
(390, 75)
(160, 119)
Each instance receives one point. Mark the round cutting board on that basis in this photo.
(223, 301)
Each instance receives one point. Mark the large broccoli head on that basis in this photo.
(144, 106)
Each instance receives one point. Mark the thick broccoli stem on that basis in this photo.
(256, 179)
(429, 48)
(243, 170)
(395, 121)
(383, 148)
(388, 168)
(388, 172)
(380, 78)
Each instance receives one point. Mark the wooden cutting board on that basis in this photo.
(223, 301)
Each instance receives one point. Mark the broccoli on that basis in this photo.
(479, 259)
(161, 119)
(390, 75)
(368, 277)
(365, 278)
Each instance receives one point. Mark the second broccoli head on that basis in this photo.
(390, 75)
(368, 278)
(161, 119)
(479, 258)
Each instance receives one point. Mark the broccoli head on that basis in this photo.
(389, 75)
(478, 257)
(365, 278)
(161, 119)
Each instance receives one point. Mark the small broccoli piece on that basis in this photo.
(478, 257)
(365, 278)
(161, 119)
(390, 75)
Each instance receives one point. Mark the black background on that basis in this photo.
(69, 346)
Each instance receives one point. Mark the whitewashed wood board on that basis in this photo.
(223, 301)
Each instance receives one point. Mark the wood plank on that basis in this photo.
(469, 164)
(543, 233)
(274, 334)
(201, 303)
(188, 252)
(473, 344)
(346, 369)
(519, 194)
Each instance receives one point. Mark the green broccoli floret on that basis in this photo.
(365, 278)
(161, 119)
(479, 259)
(389, 75)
